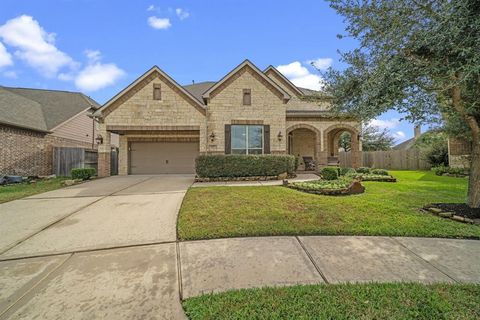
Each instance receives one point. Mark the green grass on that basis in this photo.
(386, 208)
(18, 191)
(347, 301)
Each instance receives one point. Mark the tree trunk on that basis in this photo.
(474, 179)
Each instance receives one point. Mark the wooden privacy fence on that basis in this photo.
(392, 159)
(66, 159)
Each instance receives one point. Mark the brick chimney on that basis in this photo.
(417, 131)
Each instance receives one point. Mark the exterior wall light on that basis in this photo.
(280, 136)
(99, 139)
(212, 136)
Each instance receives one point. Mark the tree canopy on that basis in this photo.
(419, 57)
(373, 139)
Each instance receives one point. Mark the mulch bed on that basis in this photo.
(459, 209)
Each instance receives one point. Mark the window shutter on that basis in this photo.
(266, 139)
(228, 139)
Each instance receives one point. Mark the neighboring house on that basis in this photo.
(34, 121)
(408, 144)
(163, 126)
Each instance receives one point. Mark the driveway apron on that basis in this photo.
(102, 249)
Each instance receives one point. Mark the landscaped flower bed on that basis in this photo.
(450, 172)
(374, 177)
(368, 174)
(342, 186)
(342, 181)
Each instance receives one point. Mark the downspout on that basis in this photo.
(93, 133)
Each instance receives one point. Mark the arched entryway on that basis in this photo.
(304, 143)
(333, 137)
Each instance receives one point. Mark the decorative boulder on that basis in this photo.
(356, 188)
(282, 176)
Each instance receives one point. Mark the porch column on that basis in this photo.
(356, 152)
(321, 156)
(104, 152)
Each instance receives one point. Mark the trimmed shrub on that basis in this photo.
(380, 172)
(346, 171)
(329, 173)
(83, 173)
(363, 170)
(443, 170)
(215, 166)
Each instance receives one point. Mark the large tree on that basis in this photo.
(419, 57)
(373, 139)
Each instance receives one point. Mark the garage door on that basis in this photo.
(163, 157)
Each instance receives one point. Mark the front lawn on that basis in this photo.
(18, 191)
(386, 208)
(346, 301)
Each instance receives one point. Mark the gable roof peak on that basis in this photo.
(194, 100)
(251, 65)
(296, 89)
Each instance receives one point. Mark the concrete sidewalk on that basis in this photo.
(223, 264)
(149, 281)
(301, 177)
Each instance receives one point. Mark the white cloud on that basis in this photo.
(159, 23)
(96, 75)
(182, 14)
(301, 76)
(93, 55)
(34, 45)
(399, 135)
(10, 74)
(68, 76)
(321, 63)
(151, 8)
(5, 57)
(385, 124)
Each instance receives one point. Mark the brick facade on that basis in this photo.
(30, 153)
(23, 152)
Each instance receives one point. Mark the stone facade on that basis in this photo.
(179, 116)
(226, 107)
(138, 117)
(459, 153)
(30, 153)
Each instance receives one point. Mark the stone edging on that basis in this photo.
(449, 215)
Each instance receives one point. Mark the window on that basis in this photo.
(247, 139)
(247, 97)
(157, 92)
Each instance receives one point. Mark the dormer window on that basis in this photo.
(247, 97)
(157, 91)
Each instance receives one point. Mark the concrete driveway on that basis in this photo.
(90, 250)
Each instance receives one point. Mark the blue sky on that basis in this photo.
(100, 46)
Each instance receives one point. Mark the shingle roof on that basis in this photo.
(405, 145)
(197, 89)
(41, 110)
